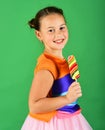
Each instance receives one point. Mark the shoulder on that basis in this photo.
(44, 60)
(46, 63)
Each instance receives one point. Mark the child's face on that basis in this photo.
(53, 32)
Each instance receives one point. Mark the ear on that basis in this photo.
(38, 35)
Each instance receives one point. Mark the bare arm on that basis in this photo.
(41, 85)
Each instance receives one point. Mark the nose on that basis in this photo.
(58, 33)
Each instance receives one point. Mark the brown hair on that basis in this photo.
(35, 22)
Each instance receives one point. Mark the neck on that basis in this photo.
(57, 53)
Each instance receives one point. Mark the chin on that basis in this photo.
(60, 48)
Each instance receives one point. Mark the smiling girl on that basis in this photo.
(53, 94)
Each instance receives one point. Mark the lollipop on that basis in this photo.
(73, 67)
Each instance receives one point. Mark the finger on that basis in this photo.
(79, 94)
(75, 83)
(77, 91)
(77, 87)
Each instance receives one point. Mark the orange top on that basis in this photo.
(59, 68)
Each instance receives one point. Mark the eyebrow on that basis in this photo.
(60, 26)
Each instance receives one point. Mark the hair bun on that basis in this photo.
(32, 23)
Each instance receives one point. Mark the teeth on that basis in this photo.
(58, 41)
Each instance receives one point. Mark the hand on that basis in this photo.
(74, 92)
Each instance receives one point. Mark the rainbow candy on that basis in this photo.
(73, 67)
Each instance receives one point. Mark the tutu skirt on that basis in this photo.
(61, 121)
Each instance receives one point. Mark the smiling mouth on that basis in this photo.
(59, 41)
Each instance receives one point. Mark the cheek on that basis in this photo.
(66, 34)
(44, 37)
(49, 37)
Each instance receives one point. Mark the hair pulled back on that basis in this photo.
(35, 22)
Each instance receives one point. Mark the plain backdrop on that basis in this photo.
(19, 50)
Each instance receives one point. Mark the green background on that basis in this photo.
(19, 50)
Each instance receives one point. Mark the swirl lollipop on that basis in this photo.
(73, 67)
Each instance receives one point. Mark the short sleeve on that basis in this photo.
(49, 65)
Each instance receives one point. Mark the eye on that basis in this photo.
(62, 28)
(51, 30)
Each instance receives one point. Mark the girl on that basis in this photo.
(53, 94)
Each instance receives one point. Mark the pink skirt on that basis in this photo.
(61, 121)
